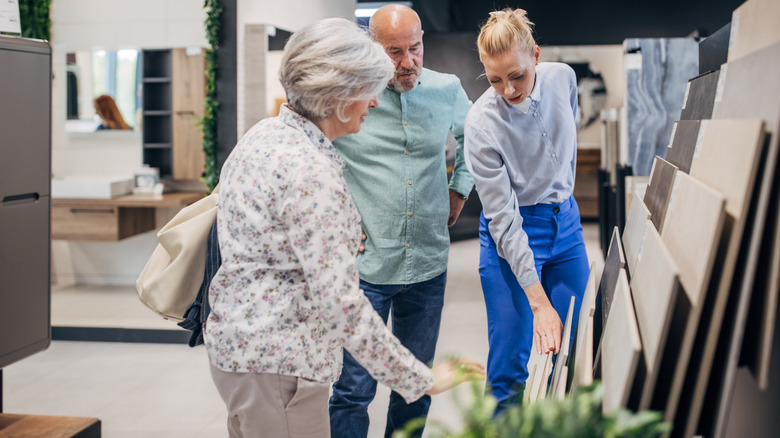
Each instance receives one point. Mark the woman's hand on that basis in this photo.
(449, 374)
(547, 323)
(547, 330)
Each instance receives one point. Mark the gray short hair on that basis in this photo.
(328, 65)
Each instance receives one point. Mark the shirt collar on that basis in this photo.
(315, 134)
(525, 105)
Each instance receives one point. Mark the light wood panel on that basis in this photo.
(189, 94)
(655, 287)
(692, 233)
(581, 363)
(732, 171)
(748, 89)
(659, 188)
(622, 349)
(753, 27)
(635, 231)
(562, 359)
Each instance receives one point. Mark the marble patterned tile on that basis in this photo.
(622, 349)
(655, 287)
(683, 144)
(753, 27)
(700, 97)
(634, 233)
(659, 190)
(657, 71)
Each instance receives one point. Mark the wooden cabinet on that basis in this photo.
(174, 89)
(111, 219)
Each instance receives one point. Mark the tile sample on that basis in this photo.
(753, 27)
(659, 189)
(692, 233)
(657, 71)
(713, 50)
(700, 97)
(683, 144)
(613, 264)
(635, 184)
(581, 363)
(622, 349)
(750, 90)
(655, 288)
(562, 358)
(635, 231)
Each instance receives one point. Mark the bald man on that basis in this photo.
(396, 172)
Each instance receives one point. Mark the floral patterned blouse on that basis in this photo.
(286, 298)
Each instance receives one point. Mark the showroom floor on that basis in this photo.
(165, 390)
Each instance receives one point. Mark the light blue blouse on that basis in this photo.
(523, 155)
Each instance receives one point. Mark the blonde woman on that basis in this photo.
(521, 148)
(286, 298)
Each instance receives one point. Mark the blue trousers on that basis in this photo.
(555, 236)
(416, 310)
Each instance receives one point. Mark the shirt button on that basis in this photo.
(410, 213)
(553, 155)
(406, 123)
(410, 182)
(544, 134)
(408, 245)
(407, 152)
(535, 114)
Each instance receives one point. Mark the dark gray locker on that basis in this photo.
(25, 204)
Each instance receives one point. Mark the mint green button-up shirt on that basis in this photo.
(396, 172)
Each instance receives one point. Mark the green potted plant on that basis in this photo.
(578, 415)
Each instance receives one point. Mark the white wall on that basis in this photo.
(289, 15)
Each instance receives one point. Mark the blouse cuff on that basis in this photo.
(528, 279)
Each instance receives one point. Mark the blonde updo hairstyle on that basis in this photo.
(330, 64)
(503, 30)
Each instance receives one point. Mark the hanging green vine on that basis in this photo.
(213, 24)
(34, 18)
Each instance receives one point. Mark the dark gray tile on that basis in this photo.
(700, 97)
(659, 190)
(683, 144)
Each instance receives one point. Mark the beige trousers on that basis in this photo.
(273, 405)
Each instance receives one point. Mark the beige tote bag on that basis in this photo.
(169, 282)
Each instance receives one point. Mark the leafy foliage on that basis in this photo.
(579, 415)
(209, 122)
(34, 17)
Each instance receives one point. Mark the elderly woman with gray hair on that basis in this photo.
(286, 299)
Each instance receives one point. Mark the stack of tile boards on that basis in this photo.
(688, 299)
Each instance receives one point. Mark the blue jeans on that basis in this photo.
(416, 310)
(555, 236)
